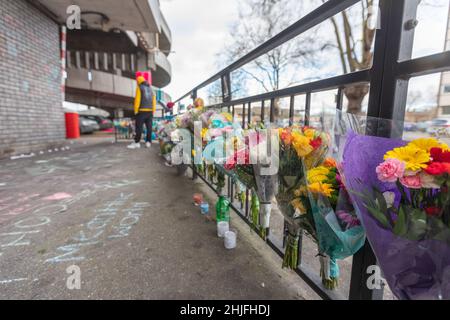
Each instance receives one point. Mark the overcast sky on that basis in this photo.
(200, 29)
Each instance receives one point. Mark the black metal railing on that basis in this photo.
(388, 78)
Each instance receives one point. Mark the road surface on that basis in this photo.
(122, 224)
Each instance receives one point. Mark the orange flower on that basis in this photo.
(286, 137)
(330, 163)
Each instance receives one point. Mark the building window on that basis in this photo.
(446, 110)
(447, 88)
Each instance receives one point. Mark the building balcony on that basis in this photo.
(137, 15)
(163, 70)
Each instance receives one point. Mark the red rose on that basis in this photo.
(447, 167)
(436, 168)
(316, 143)
(433, 211)
(440, 155)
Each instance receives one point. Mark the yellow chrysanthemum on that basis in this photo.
(414, 157)
(298, 205)
(427, 144)
(318, 174)
(321, 188)
(301, 144)
(310, 133)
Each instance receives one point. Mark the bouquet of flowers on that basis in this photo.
(401, 192)
(252, 175)
(297, 144)
(339, 231)
(164, 131)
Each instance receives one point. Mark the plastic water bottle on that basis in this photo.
(223, 209)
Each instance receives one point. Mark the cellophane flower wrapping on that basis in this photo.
(339, 231)
(297, 144)
(403, 203)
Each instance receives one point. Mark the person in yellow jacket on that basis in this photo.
(144, 108)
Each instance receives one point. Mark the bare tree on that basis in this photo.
(353, 35)
(238, 88)
(354, 31)
(355, 51)
(259, 21)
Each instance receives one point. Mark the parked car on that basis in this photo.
(423, 126)
(103, 122)
(88, 125)
(439, 127)
(410, 126)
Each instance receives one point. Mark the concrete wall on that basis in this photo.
(31, 114)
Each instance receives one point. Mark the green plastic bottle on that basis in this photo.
(223, 209)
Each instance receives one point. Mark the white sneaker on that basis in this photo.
(148, 145)
(134, 145)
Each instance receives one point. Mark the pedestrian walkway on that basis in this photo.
(128, 223)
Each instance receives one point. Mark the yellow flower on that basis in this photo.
(298, 205)
(414, 157)
(318, 175)
(301, 144)
(427, 144)
(228, 116)
(310, 133)
(321, 188)
(300, 191)
(204, 133)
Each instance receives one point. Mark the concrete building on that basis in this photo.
(43, 62)
(444, 88)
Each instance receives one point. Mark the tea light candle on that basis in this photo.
(204, 208)
(230, 240)
(222, 228)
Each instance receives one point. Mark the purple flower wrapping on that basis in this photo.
(413, 269)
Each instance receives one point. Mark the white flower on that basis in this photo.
(428, 181)
(390, 198)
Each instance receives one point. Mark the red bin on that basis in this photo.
(72, 125)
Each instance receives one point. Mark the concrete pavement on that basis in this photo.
(126, 222)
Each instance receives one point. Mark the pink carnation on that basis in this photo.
(390, 170)
(412, 182)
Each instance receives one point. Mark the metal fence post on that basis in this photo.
(291, 110)
(194, 169)
(226, 87)
(394, 42)
(307, 108)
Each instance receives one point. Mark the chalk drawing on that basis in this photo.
(70, 250)
(45, 169)
(81, 237)
(13, 280)
(97, 226)
(51, 209)
(19, 238)
(58, 196)
(131, 219)
(25, 223)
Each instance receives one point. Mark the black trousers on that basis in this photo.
(141, 119)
